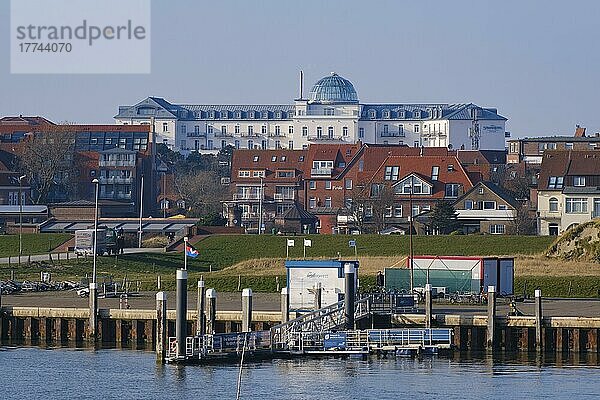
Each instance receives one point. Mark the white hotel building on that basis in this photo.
(330, 114)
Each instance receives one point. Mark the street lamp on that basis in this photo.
(260, 201)
(93, 323)
(410, 235)
(141, 211)
(96, 183)
(21, 216)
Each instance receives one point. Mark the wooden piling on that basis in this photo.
(576, 340)
(538, 320)
(491, 320)
(161, 326)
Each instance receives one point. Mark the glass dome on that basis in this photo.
(333, 89)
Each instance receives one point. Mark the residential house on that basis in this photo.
(486, 208)
(569, 190)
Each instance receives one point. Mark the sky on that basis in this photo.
(537, 62)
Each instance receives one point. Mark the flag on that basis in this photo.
(290, 242)
(352, 243)
(190, 251)
(307, 243)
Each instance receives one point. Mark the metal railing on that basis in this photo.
(116, 163)
(321, 171)
(285, 336)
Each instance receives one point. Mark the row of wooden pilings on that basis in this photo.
(514, 333)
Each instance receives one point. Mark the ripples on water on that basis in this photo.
(122, 374)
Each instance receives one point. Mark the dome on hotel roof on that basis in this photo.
(333, 89)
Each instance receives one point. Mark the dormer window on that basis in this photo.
(198, 114)
(417, 114)
(265, 114)
(555, 182)
(238, 114)
(211, 114)
(251, 114)
(579, 181)
(386, 114)
(372, 114)
(278, 115)
(401, 114)
(224, 115)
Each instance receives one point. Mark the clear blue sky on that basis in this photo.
(538, 62)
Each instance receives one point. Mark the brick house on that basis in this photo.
(330, 180)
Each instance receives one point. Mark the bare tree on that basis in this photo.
(382, 202)
(357, 207)
(47, 160)
(202, 192)
(523, 222)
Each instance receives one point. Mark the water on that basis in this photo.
(127, 374)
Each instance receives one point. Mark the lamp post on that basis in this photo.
(165, 194)
(21, 217)
(93, 322)
(141, 211)
(96, 183)
(410, 236)
(260, 201)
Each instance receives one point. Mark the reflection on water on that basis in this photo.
(111, 373)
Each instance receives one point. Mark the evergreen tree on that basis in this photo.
(444, 219)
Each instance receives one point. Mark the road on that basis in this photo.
(63, 256)
(271, 302)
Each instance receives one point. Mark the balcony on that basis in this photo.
(196, 134)
(114, 196)
(246, 196)
(116, 163)
(249, 215)
(324, 138)
(111, 180)
(280, 197)
(324, 172)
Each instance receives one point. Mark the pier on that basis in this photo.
(471, 329)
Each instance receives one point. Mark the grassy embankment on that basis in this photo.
(257, 261)
(33, 243)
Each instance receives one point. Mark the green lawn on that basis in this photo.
(223, 251)
(33, 243)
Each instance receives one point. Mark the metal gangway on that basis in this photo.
(306, 332)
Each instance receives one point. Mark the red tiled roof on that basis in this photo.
(24, 120)
(422, 166)
(244, 160)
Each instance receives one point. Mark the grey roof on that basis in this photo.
(325, 93)
(27, 209)
(558, 139)
(581, 190)
(333, 89)
(298, 213)
(453, 111)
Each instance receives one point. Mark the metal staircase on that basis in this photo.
(307, 330)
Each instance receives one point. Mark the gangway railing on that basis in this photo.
(329, 318)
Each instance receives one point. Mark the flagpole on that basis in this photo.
(304, 249)
(185, 245)
(287, 249)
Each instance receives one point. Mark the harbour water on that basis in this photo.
(65, 373)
